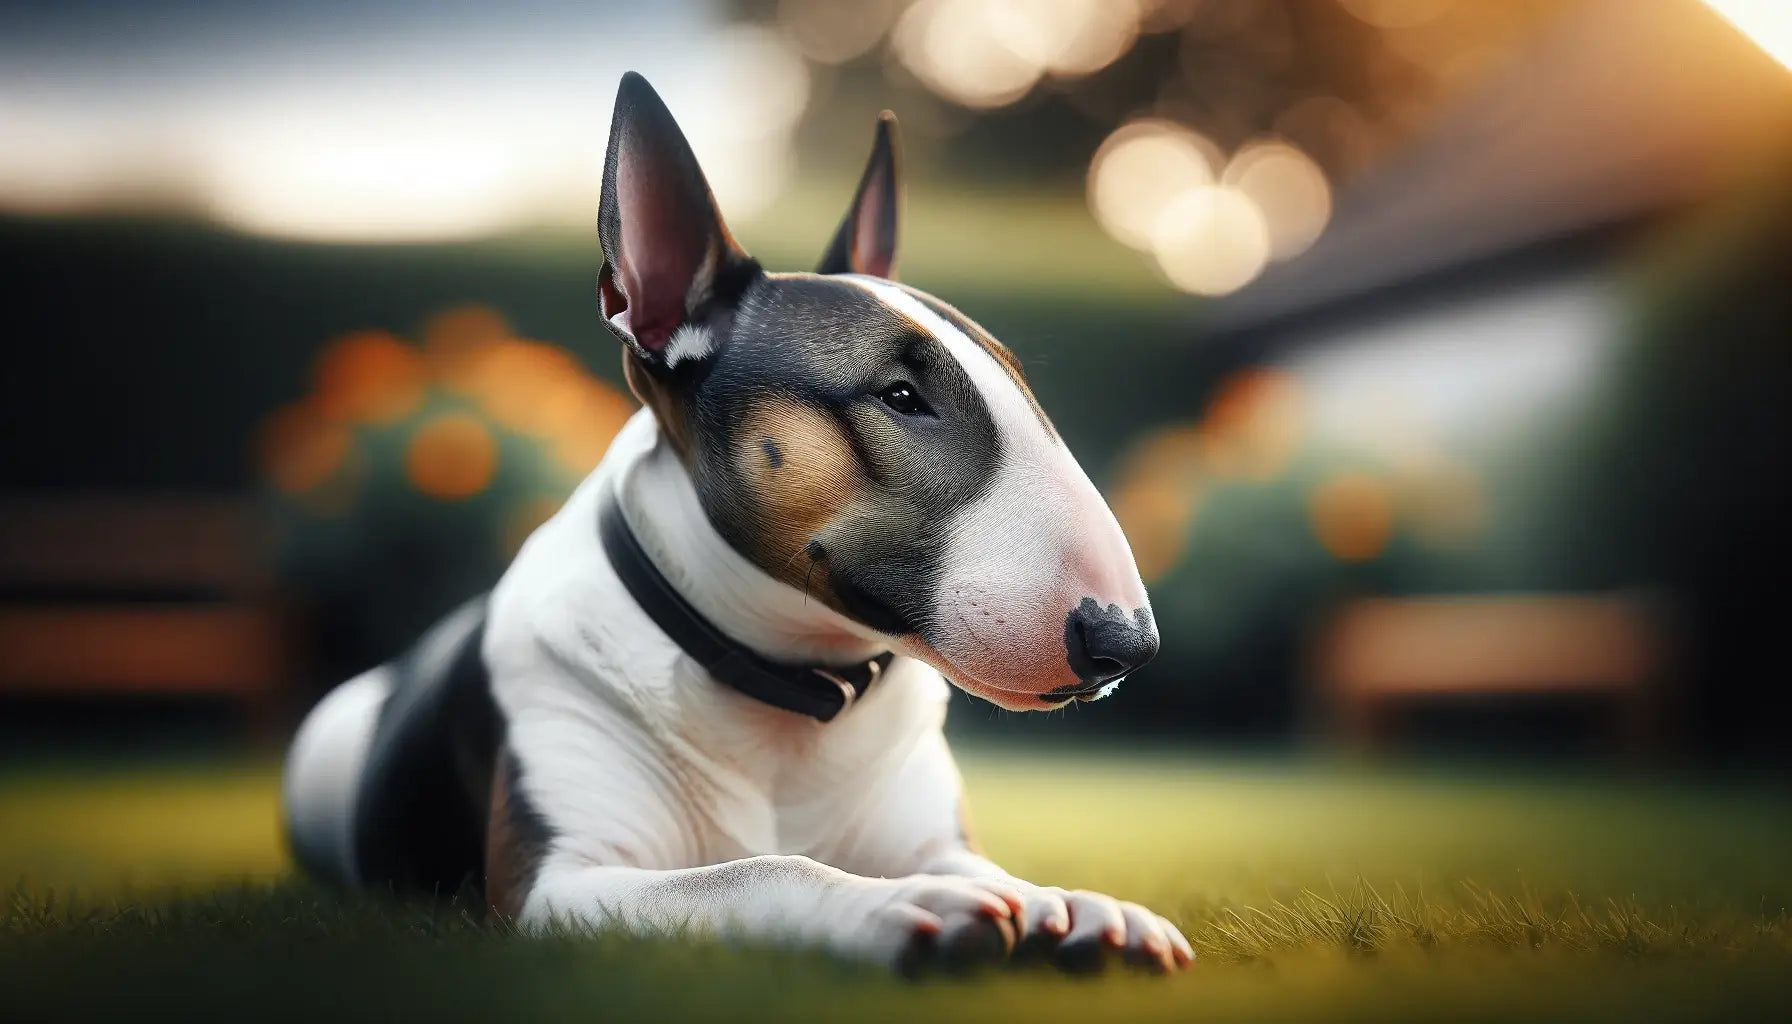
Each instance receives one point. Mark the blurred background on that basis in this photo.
(1434, 354)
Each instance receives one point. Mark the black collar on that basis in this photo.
(819, 691)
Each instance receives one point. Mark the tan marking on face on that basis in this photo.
(814, 480)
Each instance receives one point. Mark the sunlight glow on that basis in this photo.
(1211, 241)
(464, 135)
(1767, 22)
(990, 53)
(1289, 189)
(1140, 170)
(367, 186)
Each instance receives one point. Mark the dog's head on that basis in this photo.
(863, 440)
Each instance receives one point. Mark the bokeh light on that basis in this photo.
(369, 377)
(455, 339)
(1140, 170)
(451, 457)
(1152, 185)
(1289, 189)
(1212, 240)
(1155, 496)
(831, 32)
(1254, 424)
(472, 390)
(299, 448)
(1065, 37)
(989, 53)
(1352, 514)
(1251, 430)
(954, 48)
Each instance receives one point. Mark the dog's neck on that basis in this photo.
(768, 616)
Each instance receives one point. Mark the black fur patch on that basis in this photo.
(424, 796)
(831, 346)
(772, 454)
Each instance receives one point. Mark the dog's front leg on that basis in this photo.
(907, 923)
(918, 826)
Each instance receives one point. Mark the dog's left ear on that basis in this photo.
(866, 241)
(667, 255)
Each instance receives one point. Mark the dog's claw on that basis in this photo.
(1080, 932)
(967, 943)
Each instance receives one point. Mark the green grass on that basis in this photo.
(1310, 893)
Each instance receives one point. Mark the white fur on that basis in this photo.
(1011, 589)
(689, 341)
(323, 769)
(676, 803)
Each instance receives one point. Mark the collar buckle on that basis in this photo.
(849, 694)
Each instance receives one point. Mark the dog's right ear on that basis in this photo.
(667, 255)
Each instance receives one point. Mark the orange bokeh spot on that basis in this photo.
(451, 457)
(1156, 496)
(455, 339)
(1253, 424)
(369, 377)
(521, 384)
(1353, 516)
(581, 445)
(299, 448)
(542, 391)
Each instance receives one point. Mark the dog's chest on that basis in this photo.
(778, 783)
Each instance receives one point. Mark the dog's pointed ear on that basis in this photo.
(667, 254)
(866, 241)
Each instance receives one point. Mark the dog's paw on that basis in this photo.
(1082, 931)
(935, 923)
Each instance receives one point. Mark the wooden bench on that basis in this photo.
(1377, 657)
(139, 595)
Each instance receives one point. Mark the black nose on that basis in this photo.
(1105, 643)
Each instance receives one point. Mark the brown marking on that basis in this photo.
(818, 479)
(512, 856)
(657, 397)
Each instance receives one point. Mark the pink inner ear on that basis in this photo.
(871, 252)
(664, 246)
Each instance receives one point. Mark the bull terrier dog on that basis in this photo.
(709, 692)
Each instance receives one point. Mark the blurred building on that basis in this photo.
(1543, 347)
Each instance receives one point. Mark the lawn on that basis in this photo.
(1311, 892)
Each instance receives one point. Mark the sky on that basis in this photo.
(372, 120)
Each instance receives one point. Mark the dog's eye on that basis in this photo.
(902, 398)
